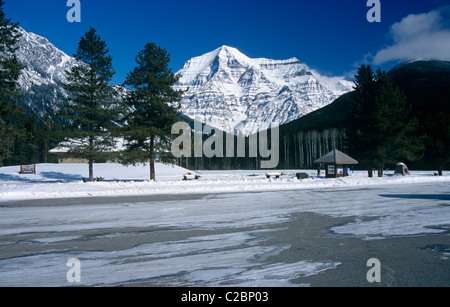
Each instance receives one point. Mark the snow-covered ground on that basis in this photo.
(65, 181)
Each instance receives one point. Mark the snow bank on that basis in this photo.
(66, 181)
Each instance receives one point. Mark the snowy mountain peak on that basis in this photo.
(226, 53)
(229, 51)
(235, 93)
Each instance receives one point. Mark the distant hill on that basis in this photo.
(332, 116)
(426, 84)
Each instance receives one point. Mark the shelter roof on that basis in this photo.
(336, 157)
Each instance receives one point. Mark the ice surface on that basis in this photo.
(246, 214)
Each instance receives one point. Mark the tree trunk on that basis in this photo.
(152, 169)
(91, 160)
(91, 169)
(370, 171)
(152, 158)
(45, 151)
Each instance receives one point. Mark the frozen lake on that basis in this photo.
(292, 237)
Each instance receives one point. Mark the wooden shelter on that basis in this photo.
(335, 163)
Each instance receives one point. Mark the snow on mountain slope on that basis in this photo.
(43, 75)
(235, 93)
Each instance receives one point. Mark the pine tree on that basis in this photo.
(10, 70)
(399, 129)
(151, 104)
(25, 145)
(92, 109)
(361, 135)
(382, 130)
(49, 135)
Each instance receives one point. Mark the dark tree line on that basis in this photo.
(232, 153)
(31, 139)
(297, 150)
(300, 149)
(23, 139)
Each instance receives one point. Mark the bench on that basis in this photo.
(191, 176)
(276, 175)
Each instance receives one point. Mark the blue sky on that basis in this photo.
(331, 36)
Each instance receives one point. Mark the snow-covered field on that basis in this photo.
(208, 240)
(65, 181)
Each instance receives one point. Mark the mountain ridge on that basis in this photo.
(418, 79)
(227, 89)
(43, 75)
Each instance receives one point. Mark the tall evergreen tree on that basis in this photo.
(92, 109)
(361, 136)
(10, 69)
(151, 104)
(382, 129)
(401, 139)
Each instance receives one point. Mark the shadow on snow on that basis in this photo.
(418, 196)
(54, 176)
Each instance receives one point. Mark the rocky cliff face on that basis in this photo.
(43, 77)
(235, 93)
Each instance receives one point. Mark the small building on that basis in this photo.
(108, 155)
(335, 163)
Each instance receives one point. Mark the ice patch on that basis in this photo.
(233, 259)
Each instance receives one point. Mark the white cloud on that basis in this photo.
(418, 36)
